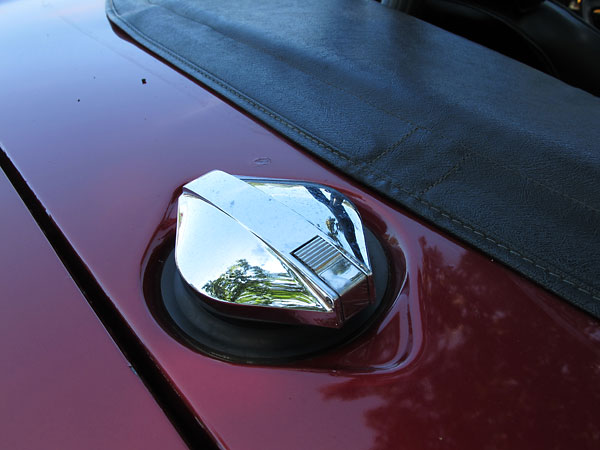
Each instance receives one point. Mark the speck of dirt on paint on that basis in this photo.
(143, 81)
(78, 100)
(262, 161)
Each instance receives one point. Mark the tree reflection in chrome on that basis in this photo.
(253, 285)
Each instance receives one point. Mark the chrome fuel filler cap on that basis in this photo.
(273, 250)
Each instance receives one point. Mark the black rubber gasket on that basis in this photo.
(252, 342)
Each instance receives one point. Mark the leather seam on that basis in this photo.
(583, 288)
(443, 178)
(213, 78)
(580, 287)
(287, 63)
(395, 145)
(509, 169)
(531, 180)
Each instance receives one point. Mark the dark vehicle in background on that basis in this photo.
(474, 176)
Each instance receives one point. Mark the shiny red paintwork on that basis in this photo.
(63, 384)
(469, 356)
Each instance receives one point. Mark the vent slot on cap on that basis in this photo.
(317, 254)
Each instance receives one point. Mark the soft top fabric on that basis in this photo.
(496, 153)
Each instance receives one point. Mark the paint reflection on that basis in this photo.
(496, 369)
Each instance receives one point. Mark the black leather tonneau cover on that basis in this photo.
(500, 155)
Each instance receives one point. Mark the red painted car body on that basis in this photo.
(467, 355)
(64, 384)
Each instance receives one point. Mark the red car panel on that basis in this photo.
(64, 384)
(469, 355)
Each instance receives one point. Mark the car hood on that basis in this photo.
(101, 136)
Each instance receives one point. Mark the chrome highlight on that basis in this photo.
(273, 250)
